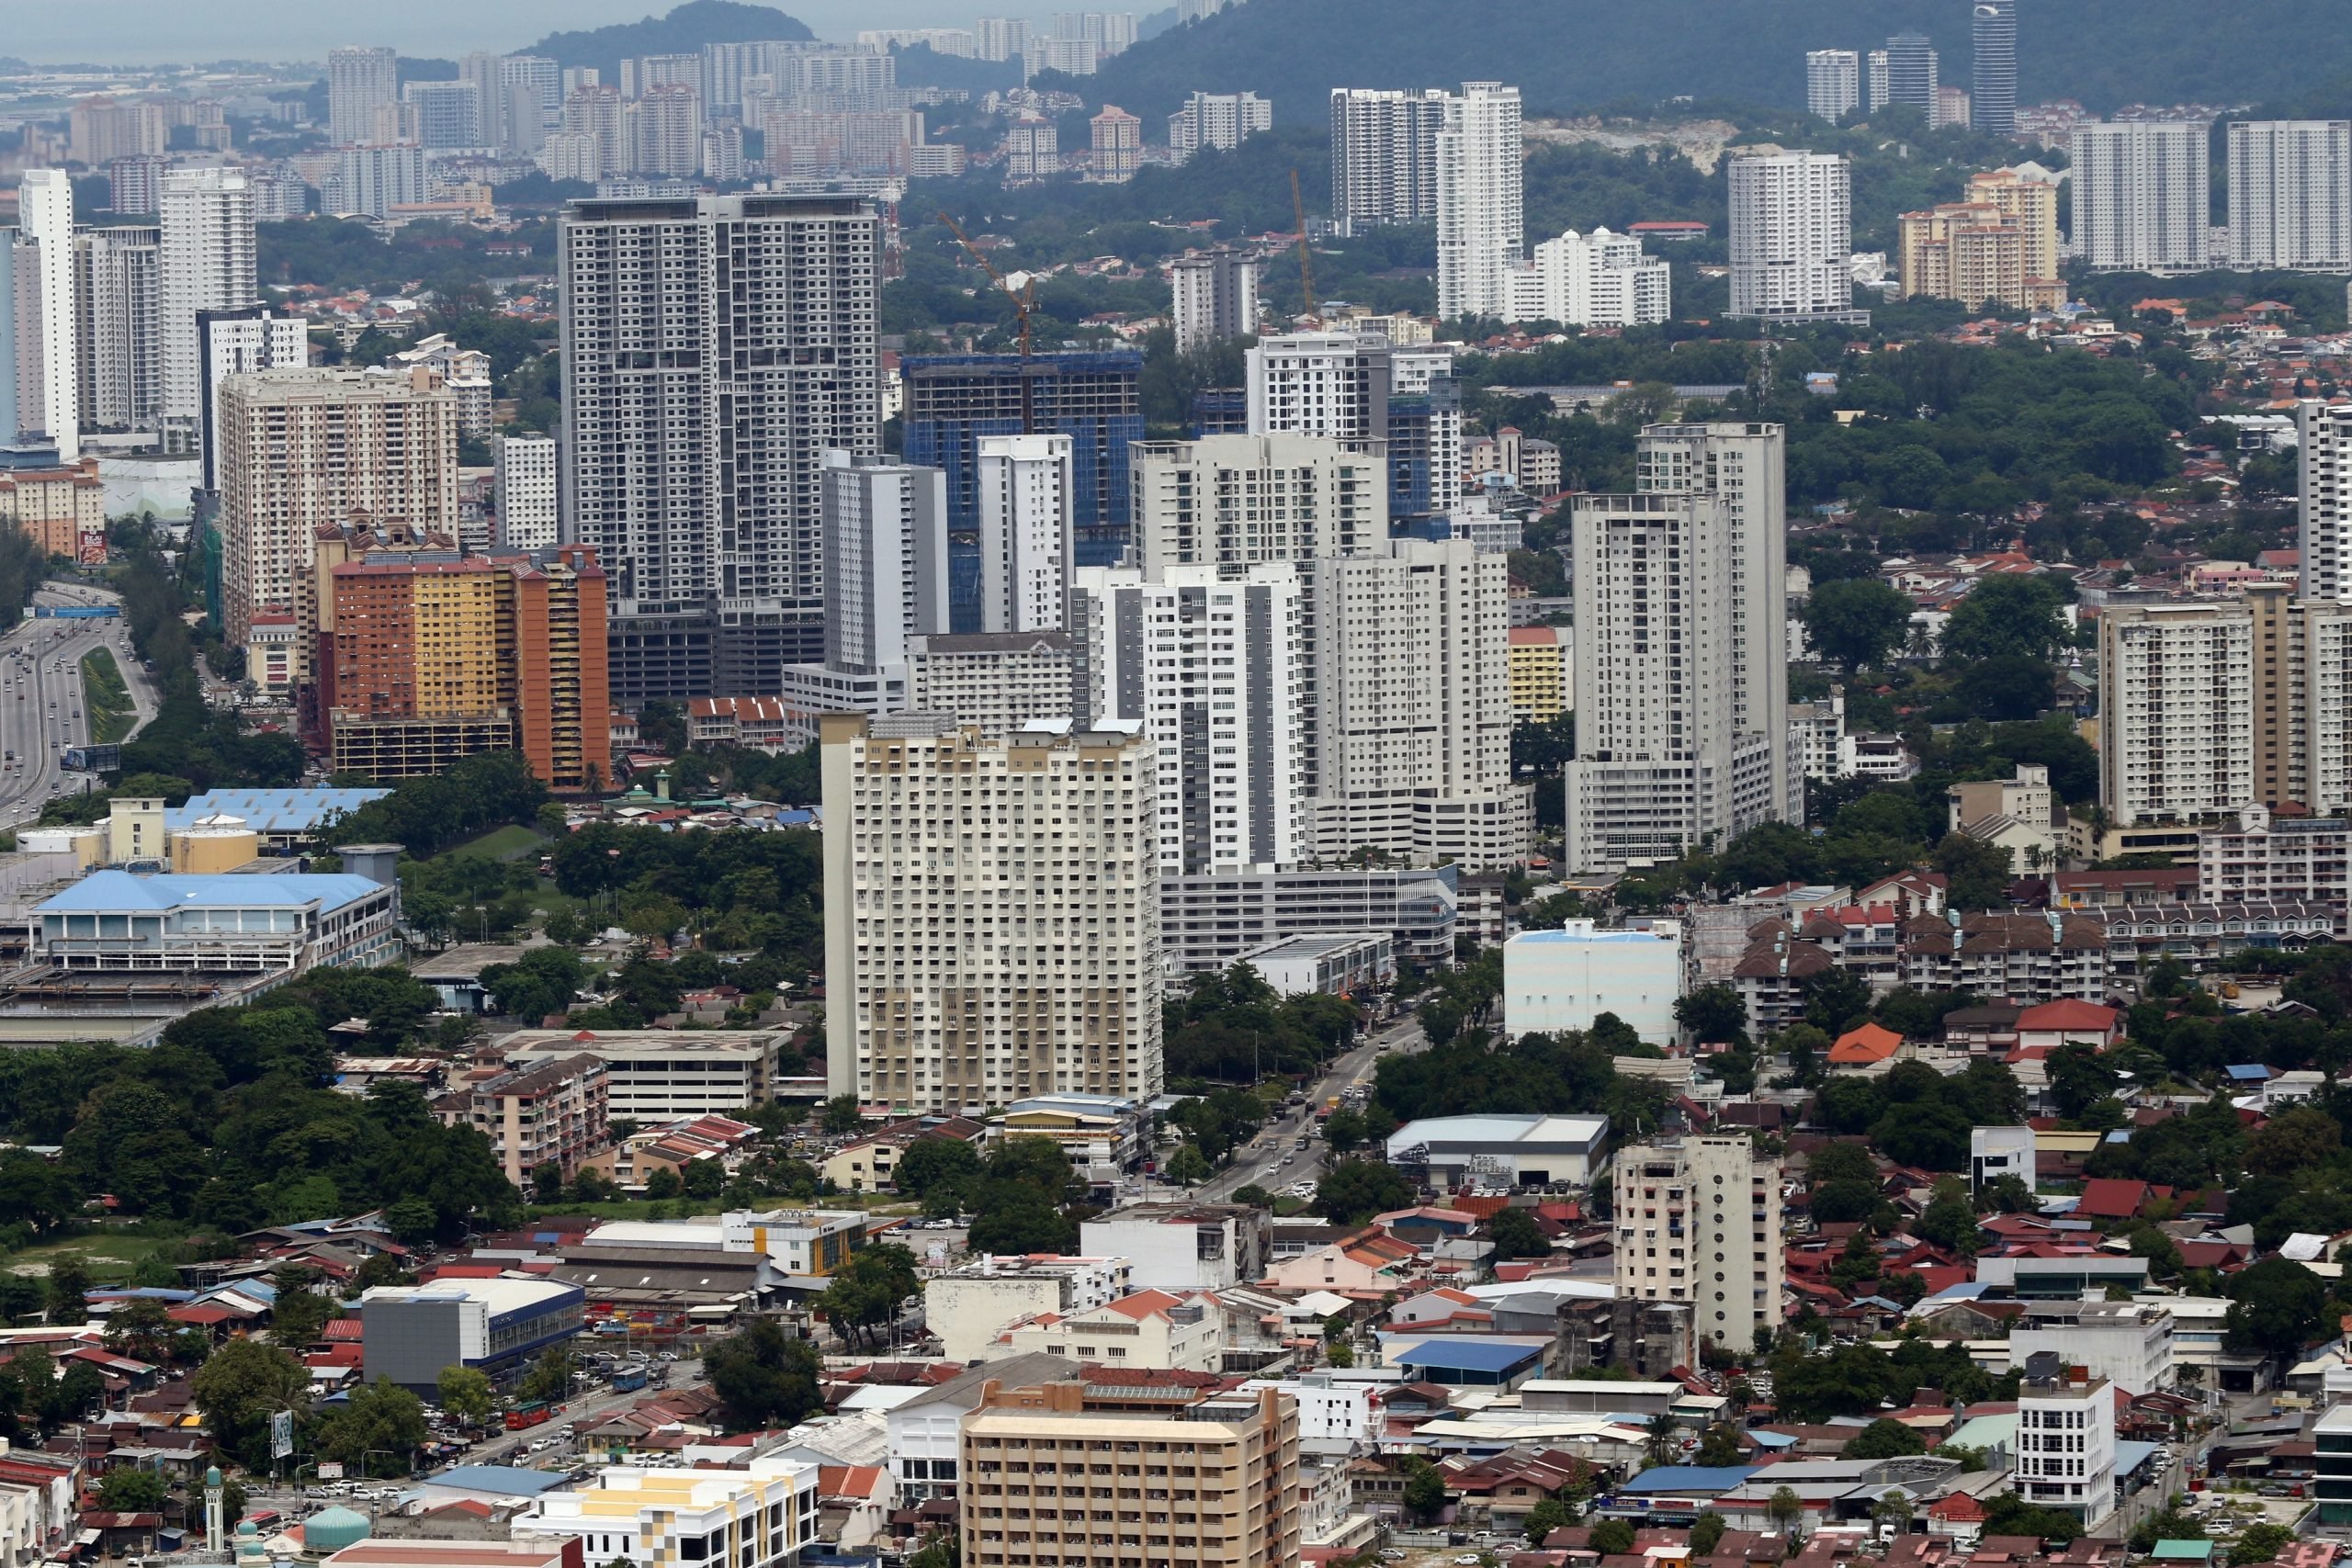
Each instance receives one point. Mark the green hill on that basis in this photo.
(1574, 56)
(683, 31)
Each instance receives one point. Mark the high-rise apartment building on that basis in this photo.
(1973, 253)
(207, 264)
(449, 114)
(1408, 707)
(1027, 535)
(1214, 668)
(1911, 72)
(52, 404)
(1214, 296)
(1599, 279)
(714, 349)
(1233, 501)
(359, 81)
(2031, 204)
(1232, 1465)
(1481, 223)
(300, 449)
(1791, 236)
(664, 129)
(991, 913)
(528, 518)
(1833, 83)
(2141, 195)
(1117, 146)
(996, 682)
(2290, 194)
(1875, 90)
(434, 660)
(1334, 385)
(951, 400)
(118, 303)
(480, 70)
(1699, 1223)
(1993, 67)
(1680, 636)
(1032, 150)
(1424, 433)
(238, 341)
(886, 559)
(2323, 499)
(371, 181)
(102, 129)
(1218, 121)
(530, 96)
(1383, 156)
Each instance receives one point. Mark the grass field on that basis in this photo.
(109, 1255)
(112, 714)
(510, 842)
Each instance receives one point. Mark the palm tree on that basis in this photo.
(1664, 1432)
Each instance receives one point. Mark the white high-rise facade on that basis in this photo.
(45, 217)
(991, 913)
(2323, 499)
(1213, 296)
(694, 473)
(885, 558)
(1330, 384)
(449, 114)
(1680, 650)
(1028, 531)
(1218, 120)
(1912, 74)
(1833, 83)
(2290, 194)
(1599, 279)
(372, 181)
(2065, 1440)
(118, 303)
(665, 130)
(2142, 194)
(1233, 501)
(1383, 156)
(2178, 716)
(1213, 668)
(359, 81)
(237, 342)
(1791, 236)
(1993, 67)
(1408, 727)
(1699, 1223)
(209, 264)
(527, 515)
(1481, 223)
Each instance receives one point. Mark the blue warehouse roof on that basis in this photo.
(272, 810)
(1468, 1354)
(114, 892)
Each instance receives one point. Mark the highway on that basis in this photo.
(41, 698)
(1260, 1159)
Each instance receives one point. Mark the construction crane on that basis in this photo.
(1022, 304)
(1305, 267)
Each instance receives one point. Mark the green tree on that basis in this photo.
(1516, 1235)
(662, 1184)
(1719, 1446)
(931, 1164)
(379, 1419)
(866, 1292)
(1714, 1014)
(1425, 1492)
(1547, 1516)
(1354, 1190)
(549, 1379)
(2260, 1543)
(126, 1490)
(1254, 1195)
(141, 1329)
(1188, 1167)
(1661, 1437)
(2275, 1306)
(240, 1386)
(2305, 1138)
(2007, 616)
(841, 1114)
(466, 1395)
(1345, 1130)
(764, 1377)
(1785, 1509)
(1706, 1532)
(1611, 1537)
(1856, 621)
(1884, 1439)
(2078, 1077)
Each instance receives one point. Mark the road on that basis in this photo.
(1260, 1159)
(41, 698)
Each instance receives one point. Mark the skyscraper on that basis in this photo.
(1700, 1221)
(1027, 537)
(1481, 225)
(2323, 499)
(449, 114)
(1993, 64)
(885, 558)
(1911, 72)
(1791, 236)
(2290, 194)
(1231, 501)
(1329, 384)
(45, 216)
(1599, 279)
(1213, 294)
(527, 518)
(2142, 192)
(238, 340)
(714, 349)
(359, 81)
(481, 70)
(1383, 156)
(208, 223)
(960, 970)
(1833, 83)
(1117, 146)
(1681, 636)
(117, 304)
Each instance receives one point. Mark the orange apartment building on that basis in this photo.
(62, 510)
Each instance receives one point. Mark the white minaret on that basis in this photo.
(215, 1507)
(45, 214)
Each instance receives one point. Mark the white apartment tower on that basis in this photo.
(714, 349)
(2176, 717)
(1410, 720)
(2290, 194)
(885, 558)
(1833, 83)
(1699, 1223)
(1233, 501)
(1682, 729)
(45, 217)
(991, 913)
(1383, 156)
(1599, 279)
(238, 341)
(1214, 670)
(1911, 73)
(527, 515)
(1791, 236)
(2141, 195)
(1028, 531)
(118, 305)
(359, 81)
(1333, 385)
(1481, 226)
(207, 264)
(1213, 294)
(2323, 499)
(1218, 121)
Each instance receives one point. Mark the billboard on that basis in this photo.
(282, 1434)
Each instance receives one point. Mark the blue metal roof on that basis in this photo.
(272, 810)
(2248, 1072)
(1470, 1354)
(505, 1479)
(1716, 1478)
(115, 891)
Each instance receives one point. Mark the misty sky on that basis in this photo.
(123, 33)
